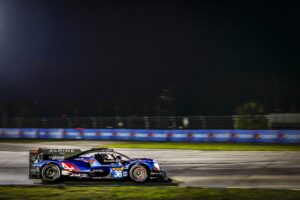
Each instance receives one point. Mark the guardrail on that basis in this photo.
(259, 136)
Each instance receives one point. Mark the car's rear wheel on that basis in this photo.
(51, 173)
(139, 173)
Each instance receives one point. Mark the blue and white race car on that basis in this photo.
(52, 165)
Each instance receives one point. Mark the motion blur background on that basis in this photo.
(209, 89)
(148, 64)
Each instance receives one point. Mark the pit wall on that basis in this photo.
(263, 136)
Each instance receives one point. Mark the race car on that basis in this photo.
(53, 165)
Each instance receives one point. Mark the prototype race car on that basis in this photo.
(52, 165)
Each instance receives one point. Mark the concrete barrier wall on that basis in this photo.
(264, 136)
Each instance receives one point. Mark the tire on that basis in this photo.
(139, 173)
(51, 173)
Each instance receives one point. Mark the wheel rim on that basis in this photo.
(139, 174)
(51, 173)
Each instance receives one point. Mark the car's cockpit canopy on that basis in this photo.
(103, 157)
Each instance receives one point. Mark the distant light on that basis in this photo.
(185, 122)
(120, 124)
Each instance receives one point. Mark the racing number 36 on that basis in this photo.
(117, 172)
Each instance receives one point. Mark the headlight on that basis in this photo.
(156, 167)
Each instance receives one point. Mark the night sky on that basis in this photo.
(212, 55)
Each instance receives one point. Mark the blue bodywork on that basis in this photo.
(88, 165)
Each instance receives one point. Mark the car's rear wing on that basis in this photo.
(35, 156)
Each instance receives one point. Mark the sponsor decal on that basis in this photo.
(61, 150)
(125, 134)
(190, 135)
(222, 135)
(169, 135)
(281, 135)
(125, 173)
(268, 136)
(81, 133)
(294, 136)
(117, 169)
(245, 136)
(106, 134)
(132, 134)
(69, 167)
(78, 175)
(65, 132)
(98, 133)
(257, 136)
(56, 157)
(141, 135)
(98, 170)
(150, 134)
(200, 135)
(65, 173)
(233, 135)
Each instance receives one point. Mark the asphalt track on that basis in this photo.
(209, 169)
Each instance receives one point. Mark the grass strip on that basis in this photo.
(208, 146)
(174, 145)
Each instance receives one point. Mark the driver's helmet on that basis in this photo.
(99, 157)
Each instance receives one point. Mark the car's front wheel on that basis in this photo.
(138, 173)
(51, 173)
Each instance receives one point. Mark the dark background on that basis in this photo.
(105, 57)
